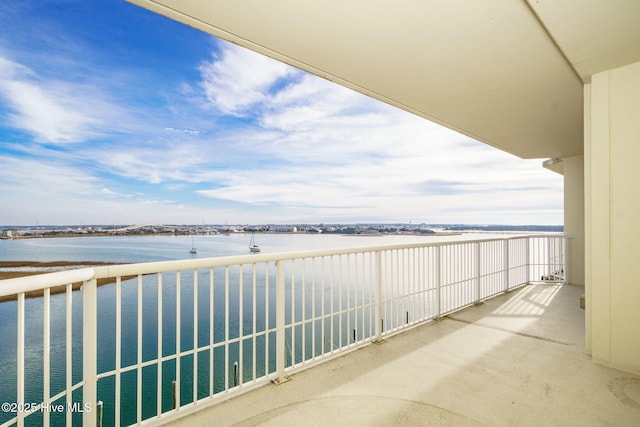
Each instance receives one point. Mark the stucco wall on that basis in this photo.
(612, 152)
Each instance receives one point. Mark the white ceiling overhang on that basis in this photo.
(505, 72)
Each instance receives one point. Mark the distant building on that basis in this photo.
(9, 234)
(283, 229)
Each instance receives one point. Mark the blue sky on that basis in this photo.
(111, 114)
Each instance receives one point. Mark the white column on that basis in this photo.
(574, 217)
(613, 208)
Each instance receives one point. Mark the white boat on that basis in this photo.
(193, 249)
(252, 244)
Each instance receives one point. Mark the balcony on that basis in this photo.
(170, 340)
(516, 359)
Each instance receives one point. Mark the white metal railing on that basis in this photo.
(166, 338)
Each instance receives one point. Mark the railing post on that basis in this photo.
(378, 297)
(89, 351)
(281, 356)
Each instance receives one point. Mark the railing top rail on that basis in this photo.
(39, 282)
(187, 264)
(43, 281)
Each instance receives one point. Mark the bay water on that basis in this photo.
(133, 249)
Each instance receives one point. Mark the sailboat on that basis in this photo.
(193, 249)
(252, 244)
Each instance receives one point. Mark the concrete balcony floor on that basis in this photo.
(517, 359)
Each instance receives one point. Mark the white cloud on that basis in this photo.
(237, 79)
(54, 112)
(41, 178)
(297, 148)
(187, 131)
(162, 162)
(394, 192)
(330, 149)
(109, 193)
(37, 190)
(76, 106)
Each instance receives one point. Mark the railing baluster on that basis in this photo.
(280, 324)
(392, 290)
(379, 296)
(415, 310)
(362, 304)
(506, 245)
(89, 350)
(46, 356)
(528, 259)
(254, 326)
(69, 345)
(370, 301)
(159, 371)
(332, 308)
(139, 369)
(20, 360)
(359, 324)
(406, 278)
(267, 327)
(178, 344)
(384, 294)
(293, 313)
(211, 336)
(448, 284)
(290, 345)
(400, 297)
(450, 271)
(438, 277)
(159, 377)
(351, 300)
(195, 335)
(226, 328)
(565, 260)
(416, 293)
(118, 347)
(356, 301)
(478, 272)
(313, 307)
(304, 311)
(322, 304)
(550, 259)
(340, 308)
(240, 323)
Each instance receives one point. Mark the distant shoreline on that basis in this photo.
(103, 234)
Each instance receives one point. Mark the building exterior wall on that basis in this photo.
(10, 234)
(613, 209)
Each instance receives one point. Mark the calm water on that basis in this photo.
(162, 248)
(139, 249)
